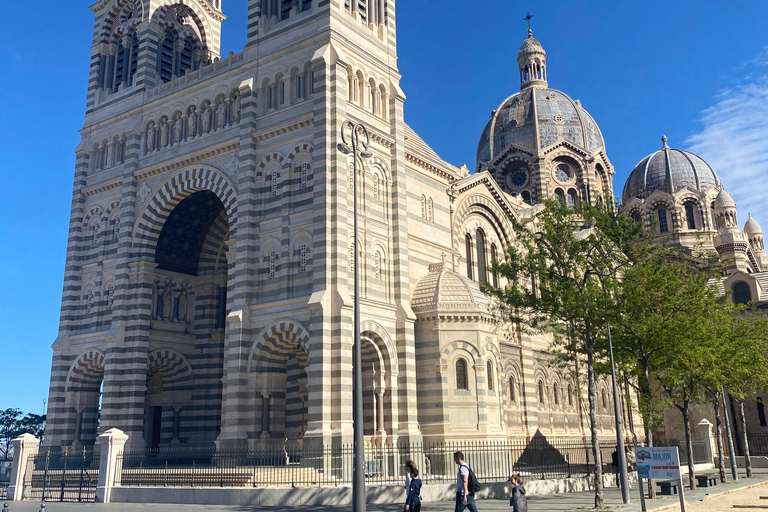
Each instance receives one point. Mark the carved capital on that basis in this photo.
(141, 272)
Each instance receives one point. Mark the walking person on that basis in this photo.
(631, 465)
(616, 468)
(465, 492)
(413, 498)
(409, 467)
(518, 501)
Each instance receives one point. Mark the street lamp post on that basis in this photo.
(356, 146)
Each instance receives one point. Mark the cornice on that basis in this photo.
(100, 188)
(275, 131)
(154, 170)
(490, 183)
(423, 164)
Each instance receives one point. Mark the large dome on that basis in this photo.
(670, 170)
(539, 113)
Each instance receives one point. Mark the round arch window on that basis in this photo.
(563, 173)
(741, 293)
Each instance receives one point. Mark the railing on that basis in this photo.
(67, 475)
(302, 466)
(758, 443)
(5, 477)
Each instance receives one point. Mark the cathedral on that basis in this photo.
(208, 290)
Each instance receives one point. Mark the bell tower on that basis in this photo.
(150, 42)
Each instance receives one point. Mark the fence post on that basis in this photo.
(112, 442)
(709, 439)
(24, 447)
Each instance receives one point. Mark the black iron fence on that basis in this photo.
(5, 477)
(700, 450)
(758, 443)
(305, 466)
(69, 474)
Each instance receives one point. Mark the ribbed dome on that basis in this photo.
(669, 170)
(531, 45)
(538, 112)
(752, 227)
(724, 200)
(446, 291)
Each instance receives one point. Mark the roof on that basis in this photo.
(445, 291)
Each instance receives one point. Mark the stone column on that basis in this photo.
(265, 397)
(380, 413)
(112, 443)
(24, 447)
(78, 426)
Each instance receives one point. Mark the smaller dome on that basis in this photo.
(531, 45)
(724, 200)
(443, 290)
(669, 170)
(752, 227)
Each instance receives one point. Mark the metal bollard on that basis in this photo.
(5, 507)
(42, 507)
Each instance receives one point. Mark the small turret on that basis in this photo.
(532, 60)
(729, 241)
(754, 234)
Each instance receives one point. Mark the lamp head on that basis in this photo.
(366, 154)
(343, 148)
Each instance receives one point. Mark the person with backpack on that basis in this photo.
(518, 502)
(413, 499)
(466, 485)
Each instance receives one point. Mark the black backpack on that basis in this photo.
(473, 486)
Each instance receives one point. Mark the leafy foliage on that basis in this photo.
(13, 423)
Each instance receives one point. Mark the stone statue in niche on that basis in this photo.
(177, 130)
(164, 134)
(183, 305)
(167, 302)
(192, 123)
(221, 116)
(207, 119)
(151, 138)
(236, 109)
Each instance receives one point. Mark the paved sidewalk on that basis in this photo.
(555, 503)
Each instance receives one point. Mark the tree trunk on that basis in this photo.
(592, 395)
(718, 423)
(747, 457)
(689, 444)
(646, 391)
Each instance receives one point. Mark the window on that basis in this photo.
(512, 390)
(560, 195)
(570, 395)
(761, 412)
(741, 293)
(285, 9)
(541, 391)
(469, 257)
(526, 197)
(281, 93)
(482, 262)
(555, 391)
(495, 259)
(714, 216)
(304, 175)
(489, 374)
(312, 81)
(166, 57)
(572, 200)
(663, 226)
(274, 183)
(299, 80)
(461, 374)
(272, 264)
(116, 227)
(303, 258)
(603, 400)
(689, 216)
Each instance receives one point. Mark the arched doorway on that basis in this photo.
(84, 389)
(378, 390)
(278, 376)
(188, 311)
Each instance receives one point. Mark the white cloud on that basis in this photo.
(734, 139)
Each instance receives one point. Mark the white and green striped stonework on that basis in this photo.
(208, 288)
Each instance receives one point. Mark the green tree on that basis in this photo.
(14, 423)
(562, 276)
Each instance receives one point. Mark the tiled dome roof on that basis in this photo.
(443, 290)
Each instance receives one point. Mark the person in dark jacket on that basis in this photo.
(518, 501)
(413, 500)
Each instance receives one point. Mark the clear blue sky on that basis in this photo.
(695, 70)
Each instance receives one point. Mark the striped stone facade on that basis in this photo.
(208, 287)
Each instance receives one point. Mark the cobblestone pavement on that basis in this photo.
(554, 503)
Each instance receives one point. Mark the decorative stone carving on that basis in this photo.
(151, 138)
(144, 192)
(183, 305)
(91, 302)
(207, 119)
(167, 302)
(192, 123)
(111, 300)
